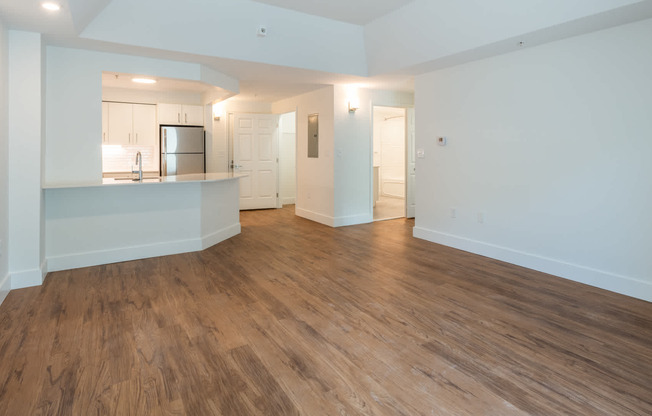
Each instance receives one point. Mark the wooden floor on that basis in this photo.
(292, 317)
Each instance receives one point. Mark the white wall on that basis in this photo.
(315, 176)
(73, 103)
(353, 157)
(5, 282)
(552, 146)
(24, 167)
(287, 155)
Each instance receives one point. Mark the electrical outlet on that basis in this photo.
(453, 213)
(481, 217)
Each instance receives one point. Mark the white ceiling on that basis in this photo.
(359, 12)
(397, 42)
(29, 15)
(70, 20)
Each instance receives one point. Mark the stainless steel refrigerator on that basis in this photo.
(182, 150)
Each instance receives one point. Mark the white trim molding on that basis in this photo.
(28, 278)
(598, 278)
(5, 287)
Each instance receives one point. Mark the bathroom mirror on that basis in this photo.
(313, 135)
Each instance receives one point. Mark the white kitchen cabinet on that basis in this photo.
(181, 114)
(105, 123)
(193, 115)
(120, 123)
(129, 124)
(144, 125)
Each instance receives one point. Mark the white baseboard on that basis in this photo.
(220, 235)
(314, 216)
(288, 201)
(333, 221)
(95, 258)
(5, 287)
(28, 278)
(352, 220)
(593, 277)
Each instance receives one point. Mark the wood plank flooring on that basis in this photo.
(295, 318)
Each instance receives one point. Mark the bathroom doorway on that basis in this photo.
(389, 163)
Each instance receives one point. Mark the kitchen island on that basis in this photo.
(108, 221)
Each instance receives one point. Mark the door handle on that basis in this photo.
(164, 154)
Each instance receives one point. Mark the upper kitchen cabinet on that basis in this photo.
(181, 114)
(145, 125)
(120, 123)
(129, 124)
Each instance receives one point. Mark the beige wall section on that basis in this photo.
(548, 158)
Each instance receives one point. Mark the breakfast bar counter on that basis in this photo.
(114, 220)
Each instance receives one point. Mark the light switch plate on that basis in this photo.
(421, 153)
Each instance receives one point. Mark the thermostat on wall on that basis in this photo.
(441, 141)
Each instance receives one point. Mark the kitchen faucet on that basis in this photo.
(139, 162)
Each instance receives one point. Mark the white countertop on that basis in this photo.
(147, 180)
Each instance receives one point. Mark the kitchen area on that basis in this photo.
(161, 120)
(154, 196)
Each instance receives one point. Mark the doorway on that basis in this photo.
(389, 162)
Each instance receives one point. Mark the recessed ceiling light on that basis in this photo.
(144, 80)
(54, 7)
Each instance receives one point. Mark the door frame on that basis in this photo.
(279, 203)
(371, 161)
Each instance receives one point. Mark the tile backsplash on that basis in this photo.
(121, 158)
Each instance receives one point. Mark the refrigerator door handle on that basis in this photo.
(164, 158)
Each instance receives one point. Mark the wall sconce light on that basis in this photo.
(218, 109)
(354, 104)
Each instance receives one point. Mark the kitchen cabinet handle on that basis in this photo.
(178, 117)
(136, 138)
(186, 118)
(129, 138)
(103, 137)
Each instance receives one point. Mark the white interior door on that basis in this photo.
(255, 153)
(411, 166)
